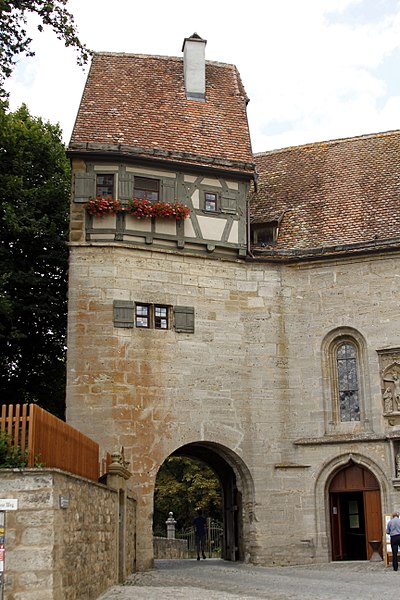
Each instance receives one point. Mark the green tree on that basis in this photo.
(34, 196)
(183, 485)
(13, 36)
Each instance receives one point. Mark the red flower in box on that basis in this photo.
(140, 208)
(144, 209)
(171, 210)
(98, 207)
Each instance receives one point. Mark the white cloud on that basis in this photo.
(313, 70)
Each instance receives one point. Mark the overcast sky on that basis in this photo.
(314, 70)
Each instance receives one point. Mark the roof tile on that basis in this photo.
(140, 100)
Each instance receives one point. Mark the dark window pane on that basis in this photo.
(142, 315)
(210, 202)
(349, 405)
(146, 188)
(105, 186)
(161, 317)
(263, 234)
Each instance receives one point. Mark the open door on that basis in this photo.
(355, 513)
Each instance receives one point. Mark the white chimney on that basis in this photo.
(194, 67)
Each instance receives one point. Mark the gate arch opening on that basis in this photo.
(355, 512)
(237, 492)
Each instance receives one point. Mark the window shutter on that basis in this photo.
(125, 186)
(184, 319)
(124, 315)
(84, 186)
(229, 203)
(168, 192)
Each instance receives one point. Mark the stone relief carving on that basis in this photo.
(391, 388)
(389, 362)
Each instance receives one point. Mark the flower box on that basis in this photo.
(140, 208)
(99, 207)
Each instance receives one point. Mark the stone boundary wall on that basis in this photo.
(169, 548)
(55, 553)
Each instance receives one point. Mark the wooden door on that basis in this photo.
(356, 481)
(373, 518)
(336, 528)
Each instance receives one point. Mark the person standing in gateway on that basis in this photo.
(200, 530)
(393, 529)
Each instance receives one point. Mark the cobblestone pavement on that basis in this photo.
(216, 579)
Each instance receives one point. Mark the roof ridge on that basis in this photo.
(159, 56)
(331, 142)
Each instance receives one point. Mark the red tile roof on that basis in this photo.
(137, 104)
(336, 193)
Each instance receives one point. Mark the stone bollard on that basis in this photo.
(170, 523)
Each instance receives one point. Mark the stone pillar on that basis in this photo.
(170, 523)
(117, 476)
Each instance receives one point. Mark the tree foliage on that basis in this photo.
(34, 196)
(14, 39)
(183, 485)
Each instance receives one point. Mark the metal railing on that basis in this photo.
(213, 542)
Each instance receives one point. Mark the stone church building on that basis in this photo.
(243, 309)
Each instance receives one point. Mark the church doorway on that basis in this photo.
(355, 513)
(219, 459)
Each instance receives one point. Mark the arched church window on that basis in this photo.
(346, 394)
(347, 382)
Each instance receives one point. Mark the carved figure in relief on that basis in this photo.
(388, 400)
(396, 387)
(398, 463)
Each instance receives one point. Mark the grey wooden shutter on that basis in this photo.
(184, 319)
(84, 186)
(229, 202)
(168, 191)
(124, 314)
(125, 186)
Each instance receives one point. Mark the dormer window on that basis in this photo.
(264, 234)
(105, 185)
(147, 188)
(210, 202)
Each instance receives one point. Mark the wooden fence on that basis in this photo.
(49, 441)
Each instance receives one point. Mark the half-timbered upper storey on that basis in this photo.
(161, 130)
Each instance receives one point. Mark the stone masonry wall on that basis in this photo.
(250, 380)
(165, 548)
(55, 553)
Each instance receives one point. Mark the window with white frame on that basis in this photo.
(210, 201)
(105, 185)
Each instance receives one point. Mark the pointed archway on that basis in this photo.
(355, 512)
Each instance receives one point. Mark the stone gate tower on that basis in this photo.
(260, 337)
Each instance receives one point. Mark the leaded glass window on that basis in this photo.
(349, 403)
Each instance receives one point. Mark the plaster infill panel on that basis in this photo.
(189, 232)
(211, 229)
(133, 224)
(234, 234)
(165, 226)
(106, 222)
(196, 199)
